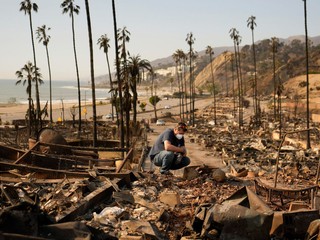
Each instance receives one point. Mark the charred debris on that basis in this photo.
(57, 188)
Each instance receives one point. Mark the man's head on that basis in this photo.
(180, 129)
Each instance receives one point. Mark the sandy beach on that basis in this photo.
(9, 112)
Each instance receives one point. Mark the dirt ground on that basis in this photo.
(197, 153)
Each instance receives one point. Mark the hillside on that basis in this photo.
(289, 63)
(296, 86)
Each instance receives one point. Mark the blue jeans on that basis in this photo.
(168, 160)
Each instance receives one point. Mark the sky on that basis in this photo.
(158, 28)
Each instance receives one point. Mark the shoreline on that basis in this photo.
(13, 111)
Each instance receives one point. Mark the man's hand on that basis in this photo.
(169, 147)
(184, 151)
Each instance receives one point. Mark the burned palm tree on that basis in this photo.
(103, 43)
(121, 129)
(135, 65)
(68, 6)
(251, 24)
(274, 49)
(209, 50)
(26, 75)
(191, 54)
(43, 37)
(307, 72)
(123, 36)
(234, 34)
(177, 59)
(93, 86)
(27, 7)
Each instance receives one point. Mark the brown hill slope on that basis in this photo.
(296, 85)
(219, 72)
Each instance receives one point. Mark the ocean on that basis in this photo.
(61, 90)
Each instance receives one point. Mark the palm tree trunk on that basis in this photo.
(274, 85)
(118, 76)
(214, 94)
(241, 86)
(233, 88)
(93, 86)
(111, 86)
(185, 87)
(227, 85)
(307, 72)
(134, 102)
(256, 101)
(190, 85)
(182, 93)
(29, 109)
(238, 78)
(50, 84)
(77, 72)
(36, 79)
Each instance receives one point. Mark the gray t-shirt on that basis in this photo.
(158, 146)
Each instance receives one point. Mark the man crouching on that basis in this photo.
(169, 151)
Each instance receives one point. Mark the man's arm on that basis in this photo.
(169, 147)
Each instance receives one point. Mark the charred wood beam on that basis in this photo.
(10, 152)
(26, 154)
(93, 199)
(94, 149)
(85, 153)
(125, 160)
(11, 179)
(68, 161)
(83, 159)
(44, 173)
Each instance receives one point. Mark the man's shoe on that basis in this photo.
(167, 173)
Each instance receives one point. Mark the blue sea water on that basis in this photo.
(61, 90)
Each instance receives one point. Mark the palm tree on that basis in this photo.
(44, 38)
(183, 83)
(234, 34)
(307, 71)
(27, 7)
(183, 57)
(93, 86)
(28, 74)
(190, 40)
(274, 49)
(233, 88)
(176, 58)
(135, 64)
(209, 50)
(123, 37)
(118, 75)
(68, 6)
(238, 41)
(280, 89)
(226, 65)
(251, 24)
(103, 43)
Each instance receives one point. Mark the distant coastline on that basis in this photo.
(61, 90)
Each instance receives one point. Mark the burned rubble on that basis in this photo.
(63, 189)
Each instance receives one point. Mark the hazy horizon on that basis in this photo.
(158, 29)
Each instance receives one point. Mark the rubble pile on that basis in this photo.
(268, 188)
(241, 150)
(157, 206)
